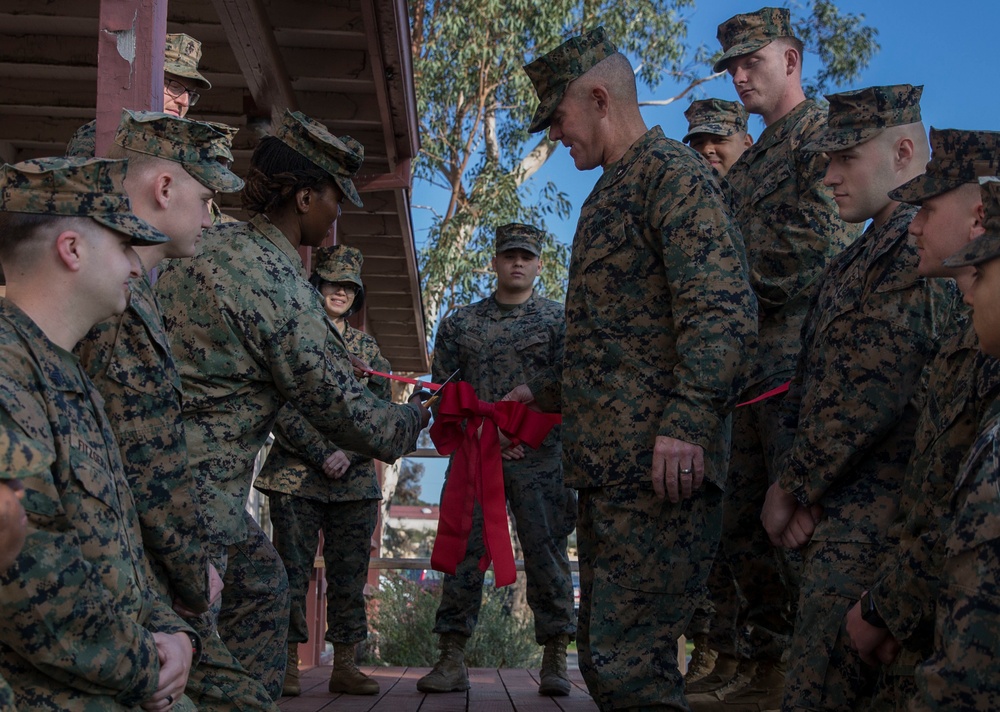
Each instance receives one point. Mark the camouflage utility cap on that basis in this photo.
(339, 263)
(745, 34)
(340, 157)
(716, 117)
(75, 187)
(517, 236)
(860, 115)
(552, 73)
(986, 247)
(83, 142)
(181, 56)
(957, 157)
(203, 149)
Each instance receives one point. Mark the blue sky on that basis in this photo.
(950, 48)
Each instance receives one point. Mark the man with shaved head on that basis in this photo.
(660, 320)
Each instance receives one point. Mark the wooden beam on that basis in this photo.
(252, 41)
(130, 48)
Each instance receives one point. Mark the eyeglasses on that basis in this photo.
(345, 286)
(174, 89)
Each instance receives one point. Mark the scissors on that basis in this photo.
(434, 398)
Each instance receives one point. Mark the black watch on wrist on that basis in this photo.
(869, 614)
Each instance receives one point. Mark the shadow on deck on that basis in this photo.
(505, 690)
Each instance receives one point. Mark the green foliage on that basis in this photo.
(845, 45)
(402, 620)
(408, 488)
(474, 103)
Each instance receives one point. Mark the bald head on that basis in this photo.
(614, 74)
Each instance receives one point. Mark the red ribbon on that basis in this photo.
(403, 379)
(476, 474)
(783, 388)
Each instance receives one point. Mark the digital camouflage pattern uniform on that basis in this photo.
(77, 614)
(128, 357)
(249, 334)
(962, 384)
(718, 118)
(181, 55)
(792, 229)
(963, 673)
(21, 458)
(872, 316)
(660, 321)
(304, 501)
(497, 347)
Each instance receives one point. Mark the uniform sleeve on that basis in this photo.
(446, 351)
(310, 368)
(964, 670)
(546, 387)
(302, 438)
(56, 613)
(807, 232)
(378, 385)
(714, 310)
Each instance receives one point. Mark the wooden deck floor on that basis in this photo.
(492, 691)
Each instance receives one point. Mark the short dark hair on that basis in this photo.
(18, 229)
(277, 172)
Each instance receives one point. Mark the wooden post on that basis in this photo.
(131, 42)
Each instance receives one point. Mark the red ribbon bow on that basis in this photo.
(476, 474)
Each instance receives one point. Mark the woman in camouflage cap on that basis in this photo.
(315, 486)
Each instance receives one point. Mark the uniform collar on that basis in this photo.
(276, 237)
(613, 173)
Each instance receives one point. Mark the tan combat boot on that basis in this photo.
(292, 687)
(714, 700)
(763, 692)
(449, 673)
(552, 679)
(722, 673)
(702, 661)
(346, 677)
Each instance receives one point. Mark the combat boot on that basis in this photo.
(702, 661)
(763, 692)
(449, 673)
(346, 677)
(552, 680)
(723, 671)
(292, 687)
(713, 701)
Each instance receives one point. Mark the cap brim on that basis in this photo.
(216, 176)
(840, 139)
(738, 51)
(546, 107)
(350, 192)
(334, 277)
(711, 129)
(916, 190)
(181, 71)
(141, 232)
(520, 246)
(984, 248)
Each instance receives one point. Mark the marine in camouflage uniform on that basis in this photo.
(78, 620)
(248, 335)
(963, 673)
(717, 130)
(305, 500)
(180, 63)
(962, 383)
(791, 229)
(496, 346)
(128, 357)
(660, 323)
(854, 401)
